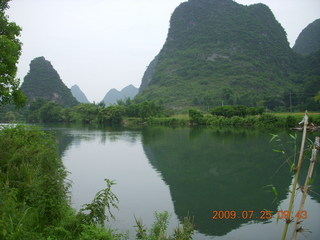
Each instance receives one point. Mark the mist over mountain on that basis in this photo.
(114, 95)
(78, 94)
(43, 81)
(221, 52)
(308, 40)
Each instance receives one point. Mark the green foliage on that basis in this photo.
(85, 113)
(98, 233)
(32, 181)
(158, 230)
(196, 117)
(50, 112)
(168, 121)
(43, 110)
(147, 109)
(223, 52)
(33, 192)
(291, 121)
(104, 199)
(34, 196)
(111, 115)
(10, 50)
(238, 110)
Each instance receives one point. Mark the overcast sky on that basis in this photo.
(104, 44)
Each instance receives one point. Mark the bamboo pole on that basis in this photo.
(293, 192)
(305, 188)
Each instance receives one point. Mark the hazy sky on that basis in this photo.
(104, 44)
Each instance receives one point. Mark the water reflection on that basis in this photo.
(210, 170)
(67, 134)
(204, 170)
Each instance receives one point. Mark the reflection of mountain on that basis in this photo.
(209, 170)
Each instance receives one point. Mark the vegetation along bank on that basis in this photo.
(34, 196)
(151, 113)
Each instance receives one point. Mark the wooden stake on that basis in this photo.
(293, 192)
(305, 188)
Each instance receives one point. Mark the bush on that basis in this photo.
(291, 121)
(112, 115)
(31, 181)
(196, 117)
(33, 194)
(237, 110)
(269, 120)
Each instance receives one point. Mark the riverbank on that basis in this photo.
(150, 113)
(34, 192)
(265, 120)
(35, 198)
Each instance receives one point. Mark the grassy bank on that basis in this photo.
(34, 196)
(265, 120)
(33, 192)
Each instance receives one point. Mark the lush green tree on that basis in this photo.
(149, 109)
(101, 104)
(273, 101)
(51, 112)
(10, 50)
(111, 115)
(132, 110)
(33, 112)
(196, 117)
(124, 102)
(85, 112)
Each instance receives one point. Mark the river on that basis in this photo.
(188, 171)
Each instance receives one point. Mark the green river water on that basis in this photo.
(188, 171)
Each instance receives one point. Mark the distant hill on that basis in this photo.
(43, 81)
(308, 40)
(114, 95)
(221, 52)
(78, 94)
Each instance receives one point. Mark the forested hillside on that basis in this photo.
(43, 81)
(219, 52)
(308, 40)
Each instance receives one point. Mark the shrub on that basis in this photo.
(31, 181)
(291, 121)
(196, 117)
(237, 110)
(158, 230)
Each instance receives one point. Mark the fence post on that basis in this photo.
(289, 220)
(305, 188)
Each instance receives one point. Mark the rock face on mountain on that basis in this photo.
(43, 81)
(308, 40)
(218, 51)
(78, 94)
(114, 95)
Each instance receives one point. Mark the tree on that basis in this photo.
(10, 50)
(228, 96)
(196, 117)
(51, 112)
